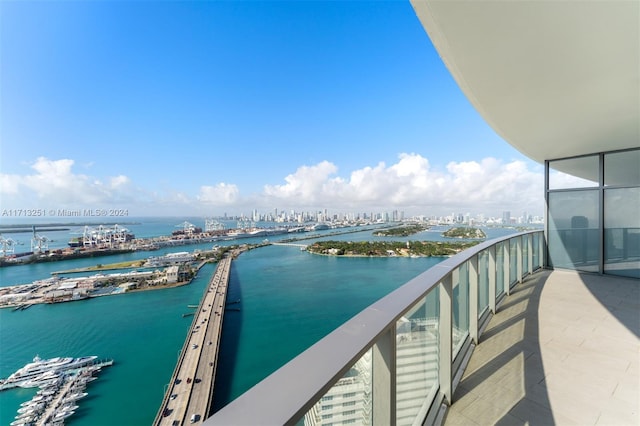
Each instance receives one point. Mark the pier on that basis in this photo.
(74, 383)
(189, 396)
(60, 389)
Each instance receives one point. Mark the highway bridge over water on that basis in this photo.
(189, 397)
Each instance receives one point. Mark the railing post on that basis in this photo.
(530, 253)
(446, 339)
(542, 254)
(384, 379)
(492, 279)
(519, 272)
(506, 258)
(473, 298)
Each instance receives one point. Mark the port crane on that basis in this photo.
(213, 225)
(188, 228)
(7, 246)
(245, 223)
(39, 243)
(104, 236)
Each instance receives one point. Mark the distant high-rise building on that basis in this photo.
(506, 217)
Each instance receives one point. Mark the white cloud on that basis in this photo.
(119, 181)
(306, 185)
(411, 184)
(54, 182)
(9, 184)
(222, 194)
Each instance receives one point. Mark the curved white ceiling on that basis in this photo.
(553, 78)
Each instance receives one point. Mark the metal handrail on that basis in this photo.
(286, 395)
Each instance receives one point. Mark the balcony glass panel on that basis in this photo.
(417, 359)
(622, 232)
(499, 269)
(622, 168)
(483, 281)
(574, 173)
(513, 260)
(348, 401)
(573, 230)
(419, 351)
(460, 307)
(536, 251)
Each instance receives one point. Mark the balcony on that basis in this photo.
(562, 349)
(485, 337)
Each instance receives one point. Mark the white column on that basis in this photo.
(530, 253)
(473, 298)
(506, 266)
(492, 279)
(384, 379)
(445, 324)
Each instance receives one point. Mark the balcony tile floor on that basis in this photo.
(562, 349)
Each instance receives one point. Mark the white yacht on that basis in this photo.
(75, 396)
(60, 415)
(40, 366)
(32, 408)
(45, 379)
(23, 421)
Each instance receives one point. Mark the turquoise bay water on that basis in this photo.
(142, 332)
(288, 300)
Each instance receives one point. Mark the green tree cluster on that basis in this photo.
(389, 248)
(401, 231)
(464, 232)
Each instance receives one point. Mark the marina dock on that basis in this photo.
(61, 385)
(74, 384)
(189, 396)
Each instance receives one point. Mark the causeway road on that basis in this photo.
(189, 396)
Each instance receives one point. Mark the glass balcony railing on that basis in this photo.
(395, 362)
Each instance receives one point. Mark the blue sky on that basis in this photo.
(206, 108)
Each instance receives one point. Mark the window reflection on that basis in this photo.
(622, 232)
(573, 230)
(579, 172)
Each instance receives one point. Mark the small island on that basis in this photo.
(467, 233)
(401, 231)
(158, 272)
(388, 248)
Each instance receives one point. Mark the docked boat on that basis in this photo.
(75, 396)
(63, 414)
(24, 421)
(35, 407)
(62, 385)
(48, 390)
(45, 379)
(26, 414)
(36, 399)
(68, 407)
(40, 366)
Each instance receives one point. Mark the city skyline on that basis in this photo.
(255, 216)
(206, 108)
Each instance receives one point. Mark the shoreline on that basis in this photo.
(410, 256)
(27, 304)
(408, 249)
(234, 252)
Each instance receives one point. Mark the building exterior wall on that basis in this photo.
(593, 216)
(172, 274)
